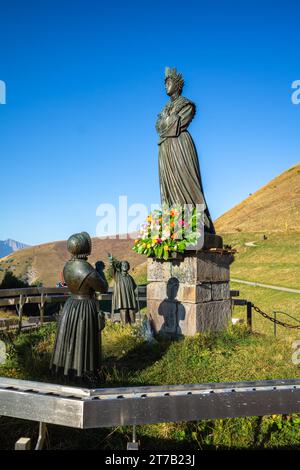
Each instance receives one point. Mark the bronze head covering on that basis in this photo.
(176, 77)
(80, 245)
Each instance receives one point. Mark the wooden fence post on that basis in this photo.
(20, 310)
(249, 315)
(42, 309)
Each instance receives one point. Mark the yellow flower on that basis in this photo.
(149, 218)
(166, 247)
(136, 241)
(149, 245)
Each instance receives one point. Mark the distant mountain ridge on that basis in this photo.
(10, 246)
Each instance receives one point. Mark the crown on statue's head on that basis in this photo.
(177, 77)
(170, 73)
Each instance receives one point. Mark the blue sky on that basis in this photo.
(85, 82)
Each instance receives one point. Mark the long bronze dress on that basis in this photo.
(179, 172)
(77, 345)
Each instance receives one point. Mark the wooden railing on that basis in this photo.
(40, 296)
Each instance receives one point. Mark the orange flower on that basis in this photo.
(172, 224)
(173, 212)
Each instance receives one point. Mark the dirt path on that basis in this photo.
(267, 286)
(250, 244)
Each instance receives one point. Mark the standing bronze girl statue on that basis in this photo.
(77, 345)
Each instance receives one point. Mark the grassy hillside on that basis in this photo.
(274, 207)
(265, 231)
(45, 262)
(275, 260)
(269, 300)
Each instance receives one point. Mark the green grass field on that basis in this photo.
(274, 261)
(233, 355)
(269, 300)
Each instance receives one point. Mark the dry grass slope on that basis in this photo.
(274, 207)
(45, 262)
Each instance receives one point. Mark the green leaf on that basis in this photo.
(181, 245)
(160, 251)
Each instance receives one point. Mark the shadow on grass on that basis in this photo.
(63, 438)
(116, 439)
(124, 371)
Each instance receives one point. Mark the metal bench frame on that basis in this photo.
(108, 407)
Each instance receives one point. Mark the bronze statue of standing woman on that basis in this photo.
(179, 172)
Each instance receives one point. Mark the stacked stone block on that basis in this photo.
(201, 299)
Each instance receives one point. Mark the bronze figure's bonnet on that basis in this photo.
(80, 245)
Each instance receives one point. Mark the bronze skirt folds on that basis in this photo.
(179, 174)
(77, 344)
(124, 296)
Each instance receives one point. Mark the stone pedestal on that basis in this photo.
(189, 295)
